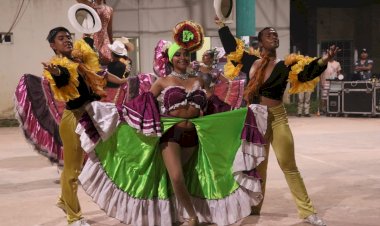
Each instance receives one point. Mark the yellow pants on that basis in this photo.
(72, 164)
(279, 135)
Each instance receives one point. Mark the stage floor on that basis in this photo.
(339, 159)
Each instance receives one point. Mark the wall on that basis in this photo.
(29, 47)
(147, 20)
(152, 20)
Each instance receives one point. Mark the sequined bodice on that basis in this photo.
(173, 97)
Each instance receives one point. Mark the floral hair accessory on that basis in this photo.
(161, 59)
(188, 35)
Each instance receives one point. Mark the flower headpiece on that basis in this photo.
(189, 35)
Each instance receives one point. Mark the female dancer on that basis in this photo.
(157, 164)
(268, 78)
(182, 135)
(222, 94)
(103, 37)
(207, 68)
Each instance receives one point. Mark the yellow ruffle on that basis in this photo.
(230, 70)
(96, 82)
(86, 54)
(89, 67)
(299, 62)
(69, 91)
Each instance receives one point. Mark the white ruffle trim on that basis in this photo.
(119, 204)
(248, 157)
(129, 210)
(160, 98)
(106, 119)
(87, 144)
(261, 116)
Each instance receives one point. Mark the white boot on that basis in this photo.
(81, 222)
(315, 220)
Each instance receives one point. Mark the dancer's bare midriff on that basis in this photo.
(185, 112)
(269, 102)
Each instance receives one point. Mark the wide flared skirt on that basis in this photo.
(39, 115)
(127, 178)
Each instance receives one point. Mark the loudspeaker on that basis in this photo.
(333, 103)
(376, 100)
(358, 85)
(357, 101)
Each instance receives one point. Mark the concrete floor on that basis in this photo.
(339, 159)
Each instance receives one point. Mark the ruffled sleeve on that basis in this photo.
(101, 119)
(90, 68)
(87, 55)
(237, 59)
(142, 114)
(65, 87)
(304, 72)
(233, 66)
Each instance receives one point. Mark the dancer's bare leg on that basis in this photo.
(171, 153)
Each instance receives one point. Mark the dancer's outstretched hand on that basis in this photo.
(53, 69)
(330, 53)
(218, 22)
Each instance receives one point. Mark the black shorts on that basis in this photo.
(184, 137)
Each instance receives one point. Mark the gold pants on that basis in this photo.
(72, 164)
(279, 135)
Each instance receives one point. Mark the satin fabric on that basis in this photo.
(134, 162)
(73, 162)
(39, 116)
(280, 137)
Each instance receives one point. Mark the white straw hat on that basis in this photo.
(118, 48)
(223, 10)
(130, 47)
(84, 19)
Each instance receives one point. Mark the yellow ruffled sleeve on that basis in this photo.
(230, 70)
(69, 91)
(86, 54)
(299, 62)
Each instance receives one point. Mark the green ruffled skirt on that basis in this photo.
(126, 175)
